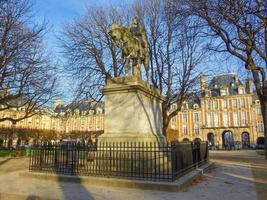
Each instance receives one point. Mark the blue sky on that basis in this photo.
(58, 12)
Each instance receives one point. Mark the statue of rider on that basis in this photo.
(139, 33)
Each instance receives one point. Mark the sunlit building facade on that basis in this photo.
(227, 113)
(79, 120)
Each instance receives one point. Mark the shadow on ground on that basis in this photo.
(247, 160)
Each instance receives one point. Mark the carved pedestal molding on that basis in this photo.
(133, 112)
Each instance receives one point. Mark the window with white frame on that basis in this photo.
(234, 103)
(243, 103)
(243, 118)
(209, 120)
(240, 90)
(184, 118)
(258, 111)
(215, 104)
(223, 92)
(208, 104)
(173, 107)
(235, 116)
(196, 119)
(173, 124)
(224, 103)
(216, 119)
(196, 129)
(185, 131)
(225, 119)
(260, 126)
(98, 123)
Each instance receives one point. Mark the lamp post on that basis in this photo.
(13, 126)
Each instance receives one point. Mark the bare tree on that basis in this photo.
(241, 26)
(175, 50)
(91, 54)
(26, 76)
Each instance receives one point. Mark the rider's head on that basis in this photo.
(135, 22)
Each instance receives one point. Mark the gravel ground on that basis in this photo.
(235, 175)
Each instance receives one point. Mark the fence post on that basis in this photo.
(110, 157)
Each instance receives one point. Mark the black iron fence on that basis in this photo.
(126, 160)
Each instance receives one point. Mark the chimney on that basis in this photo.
(236, 79)
(93, 104)
(57, 102)
(4, 90)
(249, 86)
(203, 81)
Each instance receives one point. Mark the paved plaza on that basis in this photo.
(235, 175)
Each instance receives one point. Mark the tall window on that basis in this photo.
(173, 124)
(184, 118)
(243, 118)
(185, 132)
(196, 129)
(258, 111)
(224, 103)
(260, 126)
(208, 104)
(215, 104)
(234, 103)
(98, 123)
(235, 118)
(196, 117)
(243, 103)
(209, 120)
(225, 119)
(216, 119)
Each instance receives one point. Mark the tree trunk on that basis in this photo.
(165, 121)
(264, 116)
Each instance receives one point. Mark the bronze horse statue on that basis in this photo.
(133, 48)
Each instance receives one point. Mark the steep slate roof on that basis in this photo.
(231, 81)
(192, 100)
(83, 107)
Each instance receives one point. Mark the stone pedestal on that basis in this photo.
(133, 112)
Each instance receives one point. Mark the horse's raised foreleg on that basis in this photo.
(146, 64)
(127, 66)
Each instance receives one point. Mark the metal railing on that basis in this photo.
(145, 161)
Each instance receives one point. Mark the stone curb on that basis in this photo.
(2, 161)
(124, 183)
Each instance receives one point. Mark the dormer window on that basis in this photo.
(99, 111)
(233, 84)
(173, 107)
(196, 106)
(223, 92)
(240, 90)
(215, 86)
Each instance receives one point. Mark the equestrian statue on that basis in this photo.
(134, 46)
